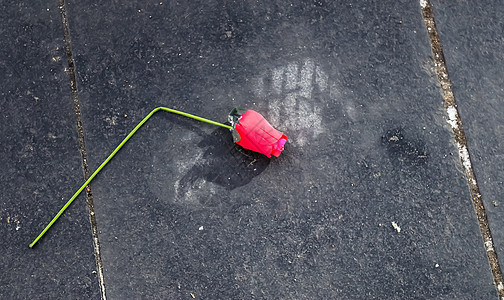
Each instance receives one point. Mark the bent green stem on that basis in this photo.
(62, 210)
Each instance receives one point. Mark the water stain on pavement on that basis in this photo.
(404, 149)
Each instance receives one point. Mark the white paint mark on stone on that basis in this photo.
(274, 112)
(489, 245)
(464, 156)
(306, 78)
(291, 76)
(452, 116)
(293, 107)
(290, 102)
(463, 153)
(277, 79)
(396, 227)
(321, 78)
(500, 286)
(259, 86)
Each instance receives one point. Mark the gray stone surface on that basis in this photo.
(474, 48)
(182, 210)
(366, 202)
(40, 162)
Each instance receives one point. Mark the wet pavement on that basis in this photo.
(369, 199)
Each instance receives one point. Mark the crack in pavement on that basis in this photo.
(82, 146)
(460, 138)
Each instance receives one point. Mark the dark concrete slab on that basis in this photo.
(40, 162)
(367, 200)
(473, 46)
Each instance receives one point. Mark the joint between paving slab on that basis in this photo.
(456, 123)
(82, 146)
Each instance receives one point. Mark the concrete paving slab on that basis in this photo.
(40, 162)
(473, 48)
(367, 200)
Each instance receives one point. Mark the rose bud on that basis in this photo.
(253, 132)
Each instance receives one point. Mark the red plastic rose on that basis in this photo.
(253, 132)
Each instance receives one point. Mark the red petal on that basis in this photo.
(258, 135)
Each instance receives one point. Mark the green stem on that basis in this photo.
(62, 210)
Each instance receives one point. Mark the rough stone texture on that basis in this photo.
(182, 210)
(40, 162)
(474, 54)
(367, 200)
